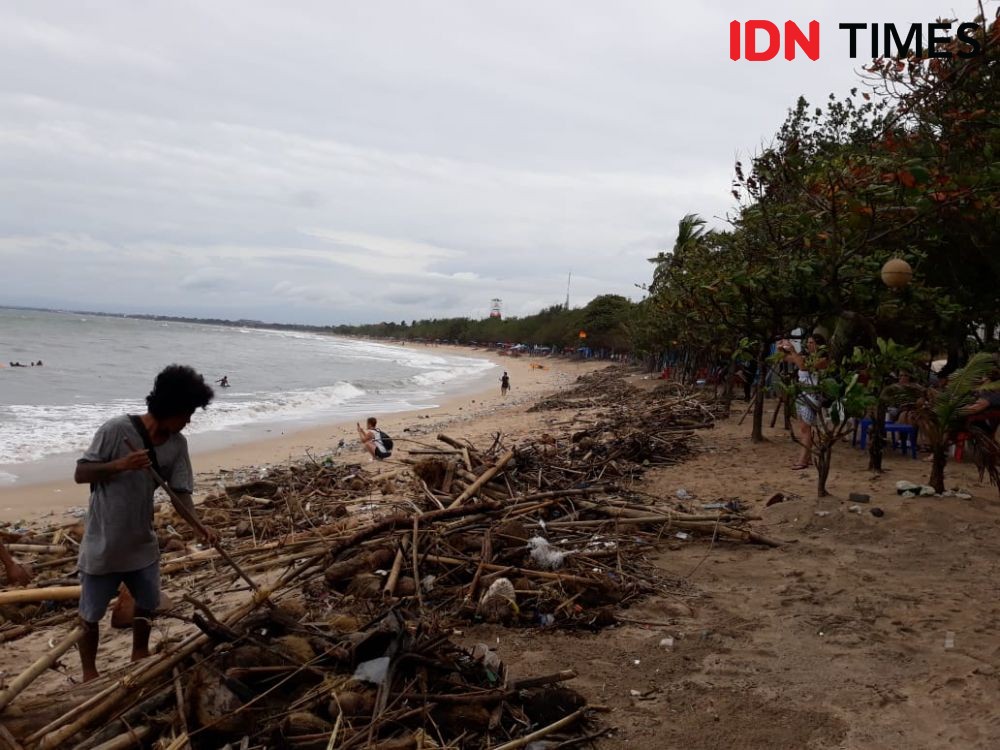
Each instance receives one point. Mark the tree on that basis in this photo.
(881, 364)
(940, 416)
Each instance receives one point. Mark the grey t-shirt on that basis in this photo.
(119, 534)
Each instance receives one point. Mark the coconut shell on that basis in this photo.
(379, 558)
(458, 717)
(366, 586)
(352, 703)
(344, 623)
(123, 613)
(499, 603)
(297, 647)
(406, 586)
(213, 704)
(293, 607)
(303, 723)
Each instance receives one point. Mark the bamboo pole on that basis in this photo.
(191, 519)
(44, 594)
(483, 479)
(126, 739)
(31, 673)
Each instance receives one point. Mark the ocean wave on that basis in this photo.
(32, 432)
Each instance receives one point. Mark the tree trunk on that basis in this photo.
(757, 435)
(940, 459)
(877, 447)
(727, 388)
(824, 455)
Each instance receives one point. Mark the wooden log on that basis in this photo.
(31, 673)
(45, 594)
(38, 549)
(483, 479)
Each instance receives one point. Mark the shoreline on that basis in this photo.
(33, 500)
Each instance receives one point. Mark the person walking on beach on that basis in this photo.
(807, 404)
(374, 440)
(17, 575)
(119, 542)
(504, 384)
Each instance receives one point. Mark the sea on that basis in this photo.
(96, 366)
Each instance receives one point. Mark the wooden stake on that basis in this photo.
(483, 479)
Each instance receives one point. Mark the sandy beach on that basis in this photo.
(862, 631)
(529, 377)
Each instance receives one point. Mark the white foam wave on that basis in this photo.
(29, 433)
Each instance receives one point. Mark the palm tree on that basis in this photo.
(690, 233)
(940, 416)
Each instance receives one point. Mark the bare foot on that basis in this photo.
(140, 655)
(89, 675)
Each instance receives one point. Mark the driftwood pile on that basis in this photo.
(361, 581)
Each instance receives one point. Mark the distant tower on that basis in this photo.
(568, 280)
(495, 307)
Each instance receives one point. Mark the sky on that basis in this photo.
(331, 162)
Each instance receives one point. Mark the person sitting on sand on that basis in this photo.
(17, 575)
(119, 542)
(371, 438)
(806, 404)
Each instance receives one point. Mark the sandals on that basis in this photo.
(800, 467)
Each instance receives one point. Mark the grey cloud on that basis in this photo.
(446, 152)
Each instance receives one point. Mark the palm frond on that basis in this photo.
(987, 453)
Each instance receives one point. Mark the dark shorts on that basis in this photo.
(97, 591)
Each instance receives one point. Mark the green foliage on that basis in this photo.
(606, 319)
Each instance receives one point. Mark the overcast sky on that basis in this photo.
(326, 162)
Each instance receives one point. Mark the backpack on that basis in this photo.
(386, 441)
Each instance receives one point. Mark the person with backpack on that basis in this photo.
(376, 442)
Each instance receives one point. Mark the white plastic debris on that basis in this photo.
(667, 642)
(544, 555)
(373, 671)
(482, 652)
(949, 639)
(683, 494)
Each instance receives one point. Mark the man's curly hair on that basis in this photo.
(178, 390)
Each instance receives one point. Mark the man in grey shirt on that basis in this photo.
(119, 542)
